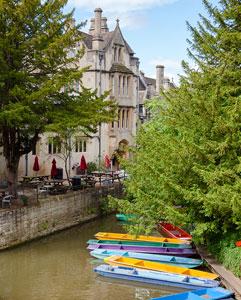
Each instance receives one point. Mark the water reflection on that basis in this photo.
(59, 267)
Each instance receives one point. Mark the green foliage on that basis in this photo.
(39, 55)
(187, 165)
(225, 251)
(24, 199)
(91, 166)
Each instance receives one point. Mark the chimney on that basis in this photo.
(104, 27)
(98, 13)
(166, 83)
(159, 78)
(92, 26)
(97, 39)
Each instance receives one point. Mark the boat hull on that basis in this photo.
(165, 259)
(171, 231)
(214, 293)
(143, 249)
(124, 217)
(123, 236)
(157, 278)
(139, 243)
(156, 266)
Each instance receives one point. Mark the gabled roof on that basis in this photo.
(87, 39)
(118, 38)
(108, 37)
(150, 81)
(119, 68)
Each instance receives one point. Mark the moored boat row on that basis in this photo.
(156, 260)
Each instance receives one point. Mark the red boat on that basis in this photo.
(172, 231)
(238, 244)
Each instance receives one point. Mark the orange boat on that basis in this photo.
(123, 236)
(116, 260)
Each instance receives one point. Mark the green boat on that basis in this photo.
(124, 217)
(138, 243)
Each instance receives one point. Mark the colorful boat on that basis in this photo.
(139, 243)
(153, 277)
(116, 260)
(211, 294)
(171, 231)
(123, 236)
(124, 217)
(143, 249)
(165, 259)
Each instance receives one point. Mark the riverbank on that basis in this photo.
(52, 214)
(227, 277)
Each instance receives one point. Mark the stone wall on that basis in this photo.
(52, 214)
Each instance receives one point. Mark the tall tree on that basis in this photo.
(187, 165)
(39, 54)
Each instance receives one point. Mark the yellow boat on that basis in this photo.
(121, 236)
(155, 266)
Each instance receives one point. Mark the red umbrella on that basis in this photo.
(83, 164)
(107, 161)
(36, 167)
(53, 169)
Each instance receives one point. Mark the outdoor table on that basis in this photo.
(107, 175)
(55, 186)
(27, 179)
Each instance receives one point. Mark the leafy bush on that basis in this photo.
(226, 252)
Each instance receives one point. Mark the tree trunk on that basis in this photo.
(12, 179)
(11, 151)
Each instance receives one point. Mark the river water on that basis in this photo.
(59, 267)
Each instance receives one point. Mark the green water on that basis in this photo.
(59, 267)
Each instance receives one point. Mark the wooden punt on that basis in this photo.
(187, 252)
(210, 294)
(153, 277)
(121, 236)
(155, 266)
(171, 231)
(138, 243)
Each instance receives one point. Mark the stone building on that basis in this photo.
(113, 66)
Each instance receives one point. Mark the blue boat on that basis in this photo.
(211, 294)
(154, 277)
(166, 259)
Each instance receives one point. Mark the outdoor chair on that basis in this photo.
(6, 200)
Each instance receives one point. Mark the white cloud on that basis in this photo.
(120, 6)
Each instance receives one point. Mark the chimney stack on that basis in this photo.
(104, 26)
(92, 26)
(97, 38)
(98, 13)
(159, 78)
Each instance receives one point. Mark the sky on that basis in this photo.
(155, 29)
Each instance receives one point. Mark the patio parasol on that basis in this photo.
(107, 161)
(53, 169)
(83, 164)
(36, 167)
